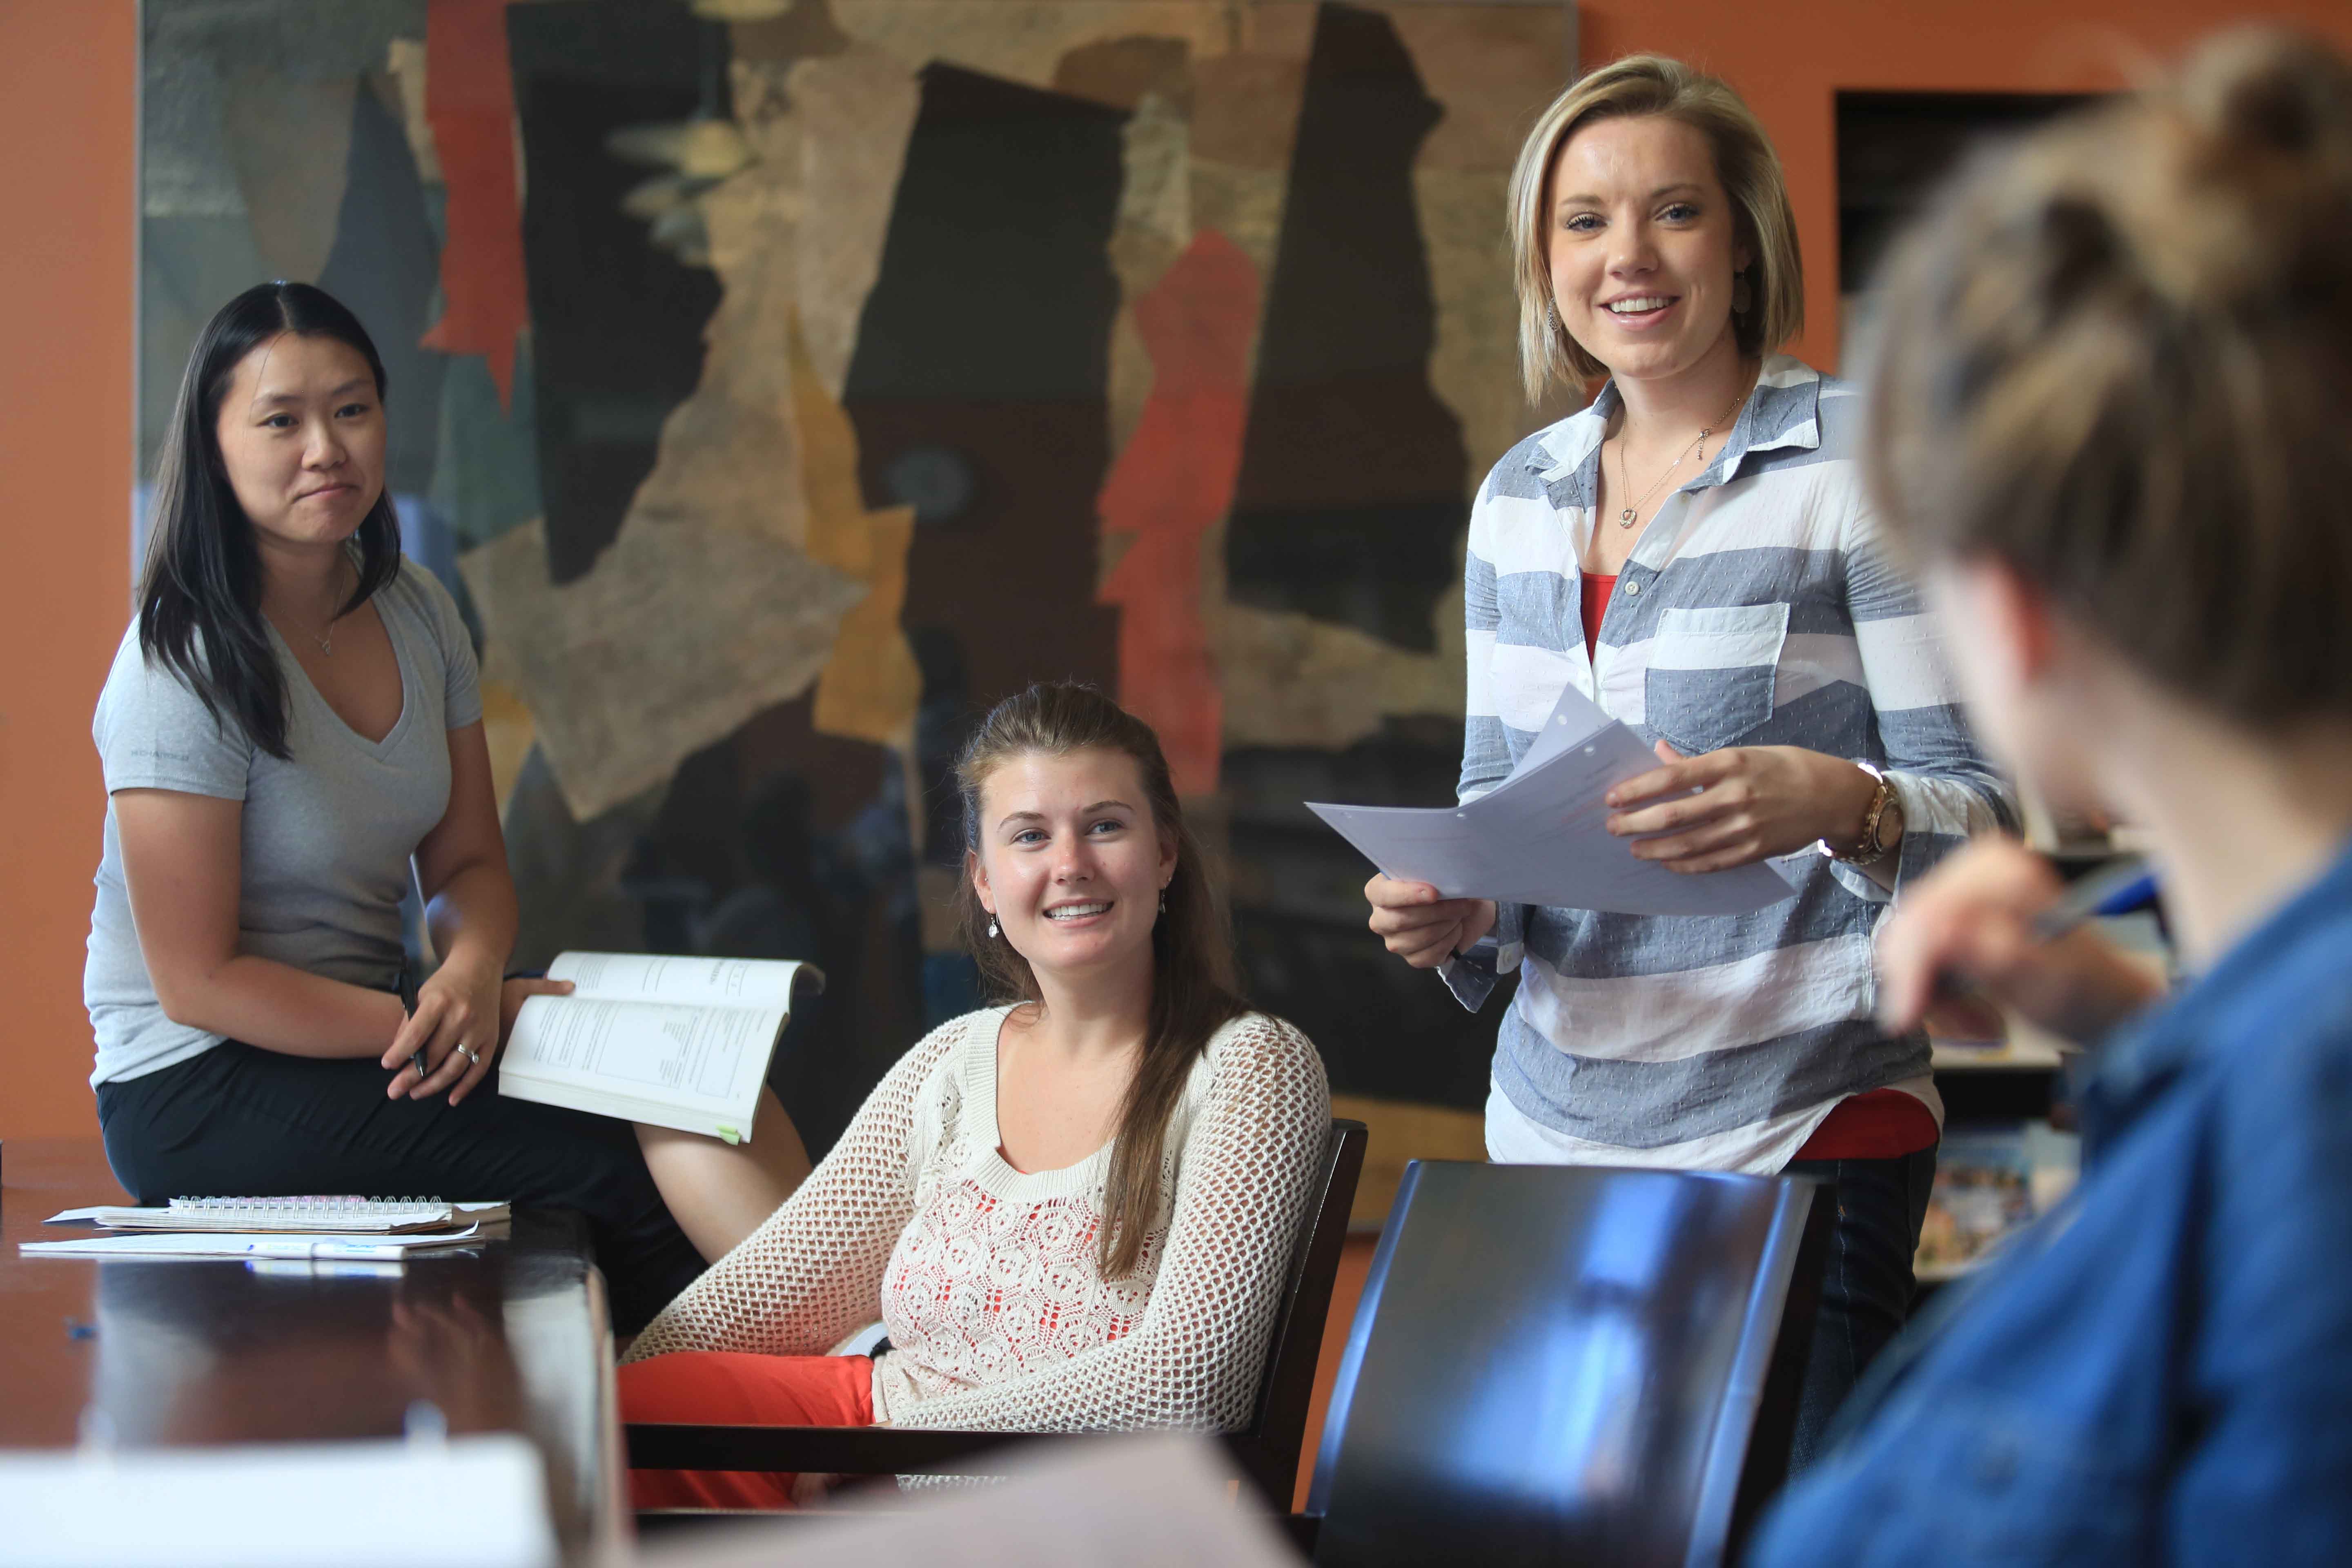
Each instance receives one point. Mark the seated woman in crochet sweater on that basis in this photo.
(1072, 1213)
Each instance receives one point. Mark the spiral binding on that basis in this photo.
(325, 1207)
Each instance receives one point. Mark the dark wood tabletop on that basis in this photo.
(507, 1337)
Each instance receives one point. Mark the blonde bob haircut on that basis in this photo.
(1745, 163)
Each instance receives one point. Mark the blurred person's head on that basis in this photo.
(2110, 420)
(276, 449)
(1079, 870)
(1651, 229)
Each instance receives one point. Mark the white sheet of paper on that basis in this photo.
(1539, 837)
(477, 1500)
(234, 1244)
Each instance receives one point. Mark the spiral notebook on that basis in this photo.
(318, 1215)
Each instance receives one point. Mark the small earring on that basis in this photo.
(1740, 299)
(1551, 318)
(1163, 900)
(992, 928)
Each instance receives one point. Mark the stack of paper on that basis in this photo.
(316, 1216)
(234, 1244)
(1540, 836)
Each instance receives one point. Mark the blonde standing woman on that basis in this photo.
(1694, 553)
(2110, 419)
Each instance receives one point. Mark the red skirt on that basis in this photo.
(729, 1388)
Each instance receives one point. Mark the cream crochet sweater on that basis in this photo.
(986, 1278)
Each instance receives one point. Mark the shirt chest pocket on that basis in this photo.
(1711, 674)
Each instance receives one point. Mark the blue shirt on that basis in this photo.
(2161, 1371)
(1759, 607)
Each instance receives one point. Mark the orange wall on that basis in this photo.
(69, 84)
(1788, 61)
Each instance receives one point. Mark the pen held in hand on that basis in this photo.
(2121, 886)
(2117, 888)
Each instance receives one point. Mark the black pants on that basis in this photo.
(1868, 1284)
(238, 1122)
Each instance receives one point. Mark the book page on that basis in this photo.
(658, 977)
(701, 1059)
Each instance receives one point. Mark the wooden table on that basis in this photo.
(510, 1338)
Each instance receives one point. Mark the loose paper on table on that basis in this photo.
(1540, 837)
(215, 1244)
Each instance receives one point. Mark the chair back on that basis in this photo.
(1563, 1364)
(1269, 1450)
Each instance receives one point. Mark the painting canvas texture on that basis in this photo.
(779, 383)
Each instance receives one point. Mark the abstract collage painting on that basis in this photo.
(779, 383)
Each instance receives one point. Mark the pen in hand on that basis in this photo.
(2117, 888)
(1992, 928)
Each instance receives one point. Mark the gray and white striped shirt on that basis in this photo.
(1758, 608)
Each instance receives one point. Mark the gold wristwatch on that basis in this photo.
(1882, 826)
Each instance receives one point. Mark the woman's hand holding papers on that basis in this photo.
(1738, 806)
(1422, 927)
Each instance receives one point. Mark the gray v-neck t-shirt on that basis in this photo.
(328, 835)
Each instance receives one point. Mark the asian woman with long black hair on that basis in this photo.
(291, 732)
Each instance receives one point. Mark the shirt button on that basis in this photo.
(1633, 590)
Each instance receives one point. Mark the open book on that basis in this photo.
(677, 1042)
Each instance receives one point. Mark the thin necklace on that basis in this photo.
(1625, 517)
(326, 644)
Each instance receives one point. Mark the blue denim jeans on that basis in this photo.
(1867, 1283)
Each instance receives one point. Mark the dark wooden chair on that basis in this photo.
(1266, 1450)
(1569, 1364)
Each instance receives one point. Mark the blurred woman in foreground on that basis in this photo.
(2113, 392)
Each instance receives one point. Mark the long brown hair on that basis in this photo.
(1194, 989)
(2118, 357)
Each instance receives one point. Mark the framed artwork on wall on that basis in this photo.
(781, 382)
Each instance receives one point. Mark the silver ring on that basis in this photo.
(469, 1056)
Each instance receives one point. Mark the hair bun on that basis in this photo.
(2270, 91)
(2118, 355)
(2080, 250)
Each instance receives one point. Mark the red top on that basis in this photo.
(1880, 1125)
(1597, 589)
